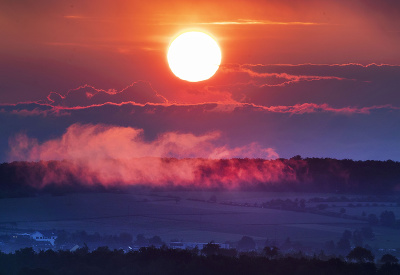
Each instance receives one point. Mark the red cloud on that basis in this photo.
(138, 92)
(119, 155)
(36, 109)
(102, 141)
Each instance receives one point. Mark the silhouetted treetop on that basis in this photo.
(22, 179)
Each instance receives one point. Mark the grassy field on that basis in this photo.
(191, 218)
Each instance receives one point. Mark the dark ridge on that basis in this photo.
(168, 261)
(24, 179)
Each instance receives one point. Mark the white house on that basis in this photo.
(37, 236)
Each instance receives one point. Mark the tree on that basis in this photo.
(271, 251)
(194, 251)
(84, 250)
(156, 241)
(210, 249)
(246, 244)
(360, 255)
(25, 256)
(231, 252)
(389, 259)
(102, 250)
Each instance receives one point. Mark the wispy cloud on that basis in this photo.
(86, 95)
(74, 17)
(243, 22)
(46, 110)
(70, 44)
(286, 78)
(91, 18)
(258, 22)
(314, 108)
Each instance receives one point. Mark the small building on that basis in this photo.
(39, 237)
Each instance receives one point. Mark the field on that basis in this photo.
(188, 216)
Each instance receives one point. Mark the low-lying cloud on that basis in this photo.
(88, 141)
(111, 155)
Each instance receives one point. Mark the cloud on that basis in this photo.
(102, 141)
(155, 172)
(339, 110)
(21, 80)
(271, 78)
(307, 129)
(45, 109)
(112, 155)
(36, 109)
(32, 109)
(313, 108)
(259, 22)
(86, 95)
(338, 85)
(357, 71)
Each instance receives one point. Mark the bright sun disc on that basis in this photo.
(194, 56)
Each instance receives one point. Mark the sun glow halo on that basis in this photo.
(194, 56)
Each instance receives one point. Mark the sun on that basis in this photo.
(194, 56)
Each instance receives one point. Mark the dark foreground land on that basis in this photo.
(169, 261)
(327, 204)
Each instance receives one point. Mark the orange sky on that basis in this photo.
(132, 36)
(281, 61)
(127, 40)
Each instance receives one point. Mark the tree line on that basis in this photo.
(307, 175)
(151, 260)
